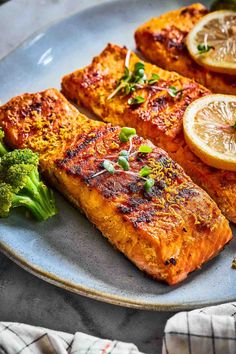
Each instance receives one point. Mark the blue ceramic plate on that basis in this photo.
(67, 250)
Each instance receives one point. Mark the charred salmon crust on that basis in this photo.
(162, 41)
(167, 232)
(159, 118)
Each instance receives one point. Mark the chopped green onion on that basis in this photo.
(149, 184)
(145, 149)
(136, 101)
(108, 165)
(145, 171)
(122, 161)
(126, 133)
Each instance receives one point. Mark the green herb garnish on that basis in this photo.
(123, 162)
(203, 48)
(131, 81)
(135, 101)
(155, 78)
(145, 171)
(126, 133)
(108, 165)
(139, 73)
(124, 153)
(173, 91)
(145, 149)
(149, 184)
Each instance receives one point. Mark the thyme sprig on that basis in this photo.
(122, 160)
(131, 81)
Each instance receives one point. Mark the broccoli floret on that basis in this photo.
(3, 149)
(18, 176)
(16, 157)
(21, 185)
(6, 197)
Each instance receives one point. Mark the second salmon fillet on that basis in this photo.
(159, 118)
(162, 40)
(167, 232)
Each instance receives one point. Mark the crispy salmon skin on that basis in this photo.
(159, 118)
(167, 232)
(162, 41)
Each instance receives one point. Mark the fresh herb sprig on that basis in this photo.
(112, 167)
(126, 134)
(134, 101)
(154, 79)
(131, 81)
(203, 48)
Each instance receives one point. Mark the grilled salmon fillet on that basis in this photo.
(159, 118)
(162, 41)
(167, 232)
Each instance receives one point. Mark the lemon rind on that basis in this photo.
(197, 145)
(204, 59)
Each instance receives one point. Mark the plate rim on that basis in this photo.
(96, 294)
(53, 23)
(66, 284)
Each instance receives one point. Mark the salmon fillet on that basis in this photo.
(162, 41)
(159, 118)
(167, 232)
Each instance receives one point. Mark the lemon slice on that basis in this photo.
(210, 130)
(212, 42)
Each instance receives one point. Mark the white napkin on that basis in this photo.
(18, 338)
(211, 330)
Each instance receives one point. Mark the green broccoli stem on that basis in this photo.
(40, 206)
(3, 150)
(40, 198)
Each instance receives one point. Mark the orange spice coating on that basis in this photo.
(159, 118)
(167, 233)
(162, 41)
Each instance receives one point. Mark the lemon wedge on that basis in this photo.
(210, 130)
(212, 42)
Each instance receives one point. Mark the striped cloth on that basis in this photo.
(211, 330)
(18, 338)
